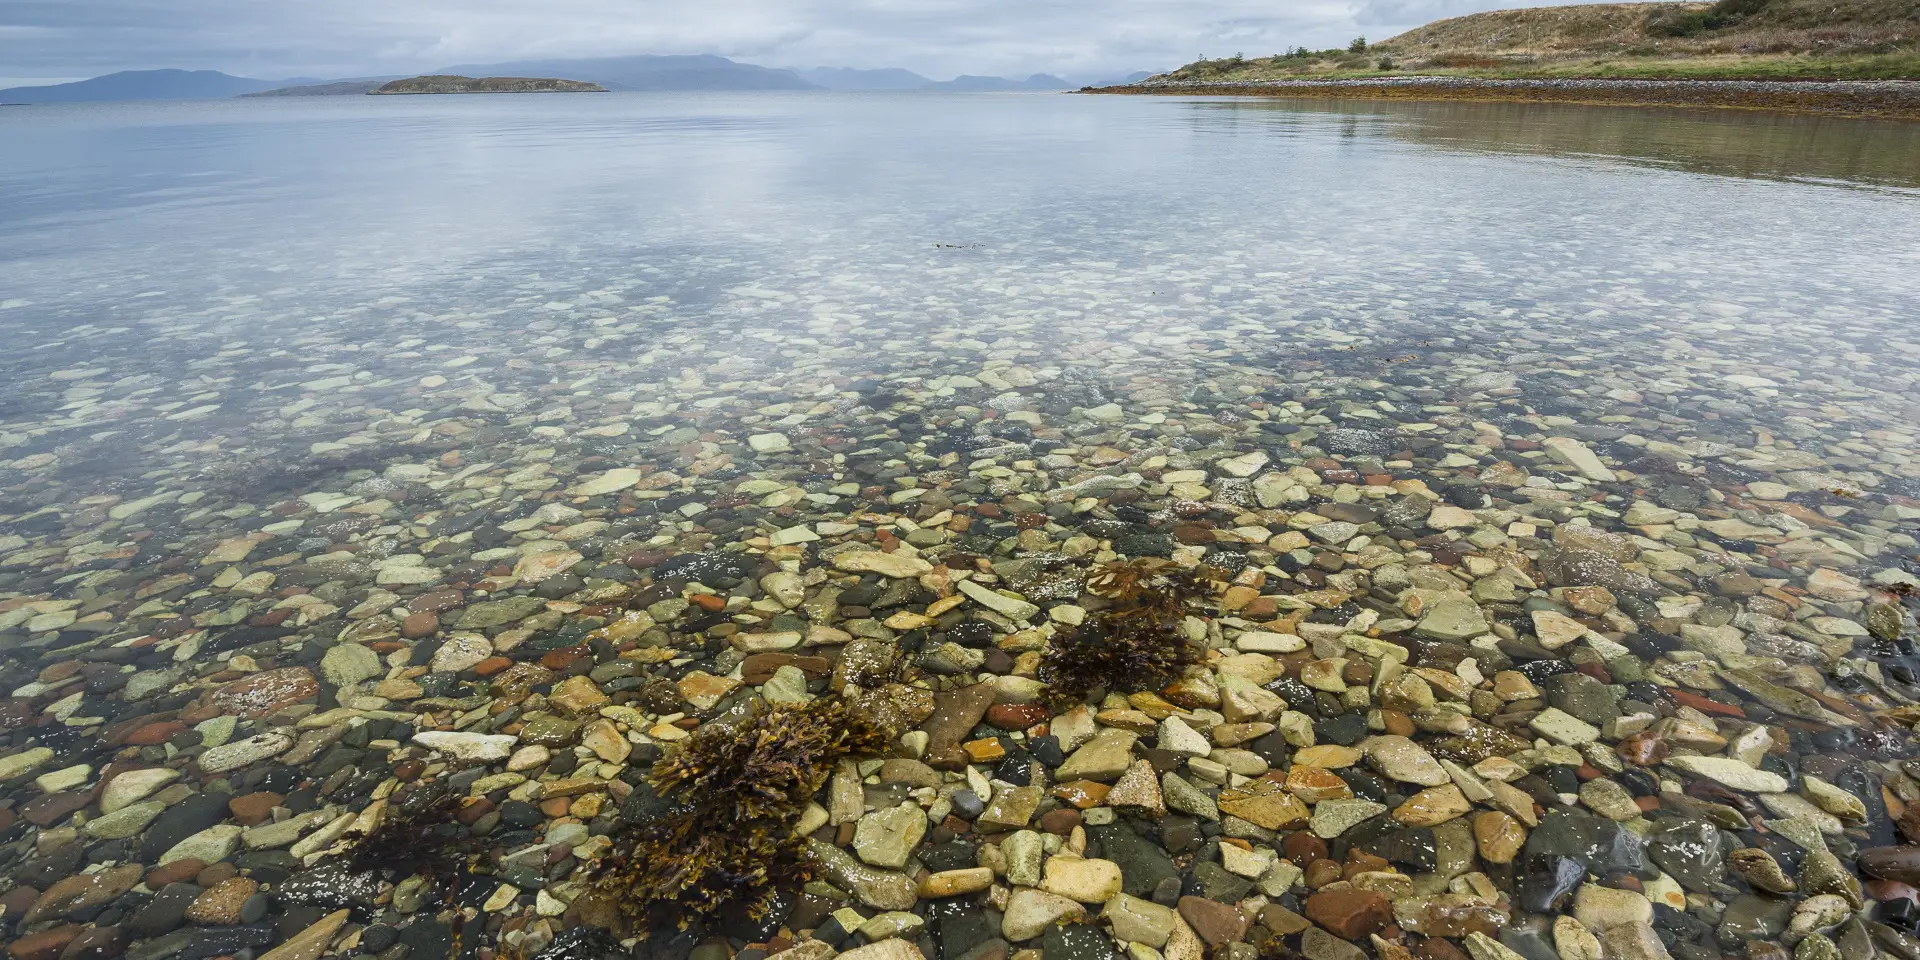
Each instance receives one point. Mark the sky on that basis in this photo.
(55, 40)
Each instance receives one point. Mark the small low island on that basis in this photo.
(452, 84)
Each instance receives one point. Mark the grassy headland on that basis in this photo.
(1724, 40)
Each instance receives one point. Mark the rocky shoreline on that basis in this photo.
(1523, 712)
(1879, 99)
(1557, 607)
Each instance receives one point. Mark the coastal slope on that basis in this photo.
(453, 84)
(1729, 39)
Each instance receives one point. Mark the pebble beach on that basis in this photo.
(1541, 610)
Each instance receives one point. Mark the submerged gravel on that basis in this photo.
(1569, 627)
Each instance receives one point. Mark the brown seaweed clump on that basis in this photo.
(721, 837)
(418, 835)
(1134, 644)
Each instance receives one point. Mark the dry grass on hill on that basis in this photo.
(1789, 39)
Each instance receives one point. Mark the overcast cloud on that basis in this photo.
(939, 38)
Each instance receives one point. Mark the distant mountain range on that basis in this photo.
(615, 73)
(142, 85)
(704, 72)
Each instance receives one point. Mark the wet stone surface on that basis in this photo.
(1576, 637)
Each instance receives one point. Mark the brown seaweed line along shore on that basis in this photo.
(1881, 99)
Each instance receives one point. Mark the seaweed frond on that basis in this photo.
(735, 791)
(1135, 644)
(418, 835)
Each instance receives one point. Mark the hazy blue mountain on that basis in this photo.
(337, 88)
(141, 85)
(849, 78)
(1134, 77)
(704, 72)
(972, 84)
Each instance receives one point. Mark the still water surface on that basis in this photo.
(284, 374)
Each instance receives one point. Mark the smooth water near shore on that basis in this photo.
(335, 432)
(175, 239)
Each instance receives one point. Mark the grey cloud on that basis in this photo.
(934, 37)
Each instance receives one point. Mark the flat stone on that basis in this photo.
(1556, 630)
(1012, 608)
(471, 747)
(133, 786)
(1498, 836)
(1030, 911)
(1139, 921)
(1563, 728)
(1577, 455)
(126, 822)
(886, 838)
(1088, 881)
(1335, 817)
(1729, 772)
(312, 942)
(212, 845)
(885, 564)
(345, 664)
(460, 653)
(1404, 760)
(1266, 804)
(240, 753)
(1451, 616)
(1104, 758)
(1433, 806)
(1138, 790)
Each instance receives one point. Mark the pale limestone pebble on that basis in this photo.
(1259, 641)
(612, 481)
(1832, 799)
(1563, 728)
(894, 565)
(312, 941)
(886, 838)
(1403, 760)
(1087, 881)
(65, 778)
(133, 786)
(466, 746)
(1729, 772)
(1332, 818)
(1792, 806)
(530, 757)
(24, 762)
(1013, 608)
(1139, 921)
(1178, 738)
(240, 753)
(460, 652)
(285, 833)
(1556, 630)
(1030, 911)
(895, 947)
(125, 822)
(1573, 941)
(954, 883)
(1482, 947)
(211, 845)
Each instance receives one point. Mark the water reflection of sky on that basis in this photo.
(1481, 222)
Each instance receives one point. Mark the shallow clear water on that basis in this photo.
(1423, 239)
(421, 384)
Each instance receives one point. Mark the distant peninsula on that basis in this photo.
(453, 84)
